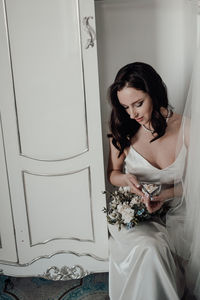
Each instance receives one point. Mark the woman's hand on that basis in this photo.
(164, 195)
(152, 206)
(131, 181)
(156, 202)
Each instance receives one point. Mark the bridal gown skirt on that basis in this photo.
(142, 264)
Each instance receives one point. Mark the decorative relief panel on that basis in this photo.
(59, 206)
(65, 273)
(48, 78)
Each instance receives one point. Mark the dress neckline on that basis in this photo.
(158, 169)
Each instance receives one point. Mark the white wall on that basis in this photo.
(198, 24)
(159, 32)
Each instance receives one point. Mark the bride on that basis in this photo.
(144, 261)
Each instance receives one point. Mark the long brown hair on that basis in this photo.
(140, 76)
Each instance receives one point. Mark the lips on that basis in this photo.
(139, 119)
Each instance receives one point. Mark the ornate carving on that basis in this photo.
(65, 273)
(90, 31)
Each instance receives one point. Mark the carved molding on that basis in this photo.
(50, 256)
(65, 273)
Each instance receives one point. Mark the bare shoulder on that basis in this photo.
(176, 119)
(174, 123)
(181, 123)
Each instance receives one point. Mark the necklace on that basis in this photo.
(169, 114)
(147, 129)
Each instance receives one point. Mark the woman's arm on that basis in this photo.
(175, 191)
(115, 172)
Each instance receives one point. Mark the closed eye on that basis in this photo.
(139, 104)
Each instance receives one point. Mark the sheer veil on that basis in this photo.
(192, 183)
(186, 234)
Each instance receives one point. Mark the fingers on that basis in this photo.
(136, 191)
(145, 199)
(134, 185)
(163, 196)
(152, 206)
(158, 198)
(133, 180)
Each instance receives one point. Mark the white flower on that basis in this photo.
(127, 189)
(113, 215)
(113, 204)
(135, 200)
(127, 214)
(124, 189)
(120, 208)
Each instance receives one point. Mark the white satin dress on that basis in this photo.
(143, 262)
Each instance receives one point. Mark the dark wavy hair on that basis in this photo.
(140, 76)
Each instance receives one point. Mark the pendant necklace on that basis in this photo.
(147, 129)
(169, 114)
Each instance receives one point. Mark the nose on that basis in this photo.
(133, 113)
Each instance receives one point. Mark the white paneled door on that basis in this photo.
(51, 158)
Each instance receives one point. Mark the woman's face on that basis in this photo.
(137, 103)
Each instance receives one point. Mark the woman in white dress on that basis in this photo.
(143, 144)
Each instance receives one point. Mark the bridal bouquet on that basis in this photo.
(126, 208)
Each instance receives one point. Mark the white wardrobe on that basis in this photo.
(51, 157)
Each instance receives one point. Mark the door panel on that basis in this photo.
(61, 210)
(48, 78)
